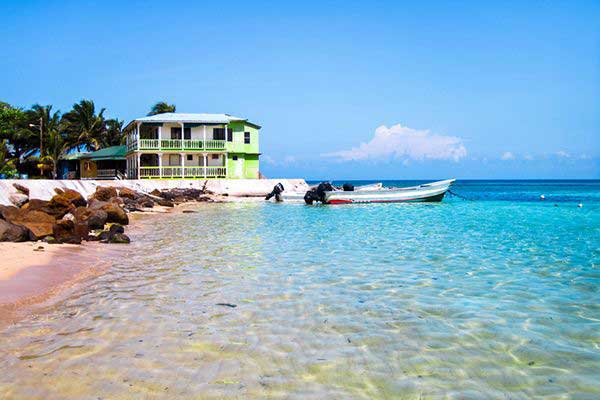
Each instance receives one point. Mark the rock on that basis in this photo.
(165, 203)
(21, 188)
(104, 193)
(64, 232)
(82, 230)
(188, 211)
(59, 205)
(115, 234)
(116, 200)
(156, 192)
(51, 240)
(18, 199)
(74, 197)
(36, 204)
(13, 233)
(119, 238)
(38, 222)
(93, 218)
(69, 216)
(128, 193)
(96, 204)
(114, 213)
(58, 191)
(67, 231)
(116, 228)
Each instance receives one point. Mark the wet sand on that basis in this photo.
(34, 274)
(37, 275)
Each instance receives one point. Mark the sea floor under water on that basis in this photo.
(495, 297)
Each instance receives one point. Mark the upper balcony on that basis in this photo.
(176, 145)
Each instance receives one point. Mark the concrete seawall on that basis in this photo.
(44, 189)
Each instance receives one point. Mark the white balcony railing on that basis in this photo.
(177, 144)
(106, 173)
(172, 172)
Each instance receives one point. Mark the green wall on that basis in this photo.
(248, 153)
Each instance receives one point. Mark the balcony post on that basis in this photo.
(137, 138)
(182, 134)
(182, 164)
(160, 170)
(204, 138)
(159, 136)
(205, 157)
(138, 165)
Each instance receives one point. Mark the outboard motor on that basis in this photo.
(277, 190)
(348, 187)
(318, 194)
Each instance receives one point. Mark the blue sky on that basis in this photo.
(344, 90)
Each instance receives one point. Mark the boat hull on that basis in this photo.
(430, 193)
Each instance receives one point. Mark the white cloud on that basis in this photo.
(507, 155)
(406, 143)
(562, 154)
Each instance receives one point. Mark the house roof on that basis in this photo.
(191, 118)
(108, 153)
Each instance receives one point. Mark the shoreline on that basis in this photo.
(37, 275)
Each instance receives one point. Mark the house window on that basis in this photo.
(246, 137)
(175, 133)
(187, 133)
(234, 158)
(230, 135)
(190, 157)
(214, 156)
(219, 133)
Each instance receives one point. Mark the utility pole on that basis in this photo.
(41, 143)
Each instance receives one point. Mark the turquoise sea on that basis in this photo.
(494, 297)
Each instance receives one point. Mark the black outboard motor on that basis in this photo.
(277, 190)
(318, 194)
(348, 187)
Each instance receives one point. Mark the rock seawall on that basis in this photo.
(44, 189)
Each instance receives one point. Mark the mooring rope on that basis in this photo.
(458, 195)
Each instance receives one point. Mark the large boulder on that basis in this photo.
(67, 231)
(38, 222)
(18, 199)
(21, 188)
(13, 233)
(104, 193)
(58, 206)
(74, 197)
(114, 213)
(93, 218)
(127, 193)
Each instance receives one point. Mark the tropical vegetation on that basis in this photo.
(34, 140)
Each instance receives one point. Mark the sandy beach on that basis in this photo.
(35, 273)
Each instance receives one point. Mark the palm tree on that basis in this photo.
(114, 133)
(162, 107)
(56, 148)
(84, 127)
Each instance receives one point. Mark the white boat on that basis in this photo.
(299, 196)
(429, 192)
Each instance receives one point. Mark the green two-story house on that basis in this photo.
(192, 146)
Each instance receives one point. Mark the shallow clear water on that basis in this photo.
(491, 298)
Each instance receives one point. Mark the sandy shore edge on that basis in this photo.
(37, 274)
